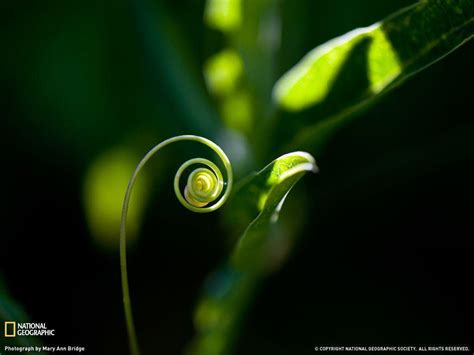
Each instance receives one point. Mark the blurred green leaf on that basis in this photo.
(174, 68)
(258, 42)
(10, 310)
(348, 72)
(237, 111)
(243, 74)
(222, 71)
(104, 186)
(230, 290)
(224, 15)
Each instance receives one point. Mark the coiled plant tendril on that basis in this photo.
(203, 193)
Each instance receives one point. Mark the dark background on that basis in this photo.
(385, 256)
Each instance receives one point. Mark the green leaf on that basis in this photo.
(265, 194)
(230, 290)
(348, 72)
(11, 311)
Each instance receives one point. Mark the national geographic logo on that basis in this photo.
(10, 329)
(14, 329)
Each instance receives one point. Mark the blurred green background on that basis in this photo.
(88, 87)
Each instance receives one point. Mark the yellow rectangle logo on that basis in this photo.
(10, 329)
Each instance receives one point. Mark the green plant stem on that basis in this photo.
(133, 342)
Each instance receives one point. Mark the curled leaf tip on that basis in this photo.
(204, 190)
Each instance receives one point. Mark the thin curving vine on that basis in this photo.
(205, 191)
